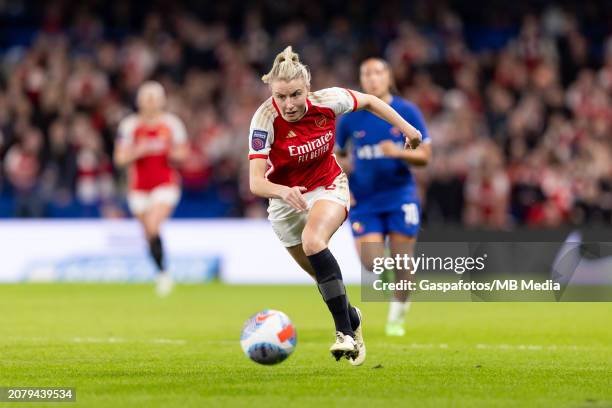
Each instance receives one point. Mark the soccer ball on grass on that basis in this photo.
(268, 337)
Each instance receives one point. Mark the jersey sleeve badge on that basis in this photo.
(258, 139)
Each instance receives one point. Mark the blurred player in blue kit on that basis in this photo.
(386, 209)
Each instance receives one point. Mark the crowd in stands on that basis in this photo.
(518, 100)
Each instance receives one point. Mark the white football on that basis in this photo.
(268, 337)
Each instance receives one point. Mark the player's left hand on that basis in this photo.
(389, 149)
(413, 140)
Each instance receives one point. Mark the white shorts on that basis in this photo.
(140, 201)
(288, 223)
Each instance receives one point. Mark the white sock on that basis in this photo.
(398, 310)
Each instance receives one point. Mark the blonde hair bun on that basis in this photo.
(287, 67)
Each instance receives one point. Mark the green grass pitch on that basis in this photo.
(120, 346)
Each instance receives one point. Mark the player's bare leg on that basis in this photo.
(152, 221)
(399, 244)
(324, 219)
(297, 253)
(370, 246)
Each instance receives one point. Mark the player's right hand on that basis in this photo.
(293, 196)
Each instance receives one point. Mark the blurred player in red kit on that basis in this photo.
(291, 146)
(148, 144)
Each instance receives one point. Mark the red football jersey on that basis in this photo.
(154, 169)
(300, 153)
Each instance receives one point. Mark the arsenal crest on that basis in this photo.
(321, 121)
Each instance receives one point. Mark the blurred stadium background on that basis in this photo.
(517, 97)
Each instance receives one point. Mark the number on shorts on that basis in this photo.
(411, 213)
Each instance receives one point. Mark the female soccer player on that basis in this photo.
(148, 143)
(291, 144)
(386, 207)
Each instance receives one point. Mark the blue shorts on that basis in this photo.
(405, 220)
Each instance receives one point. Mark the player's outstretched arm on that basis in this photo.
(415, 157)
(384, 111)
(261, 187)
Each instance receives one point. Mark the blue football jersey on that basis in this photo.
(379, 183)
